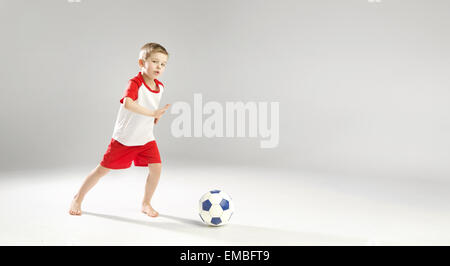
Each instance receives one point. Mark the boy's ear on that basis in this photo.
(141, 63)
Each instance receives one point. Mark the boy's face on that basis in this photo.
(154, 65)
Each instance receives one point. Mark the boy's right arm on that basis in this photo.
(132, 106)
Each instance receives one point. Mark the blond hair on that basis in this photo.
(150, 48)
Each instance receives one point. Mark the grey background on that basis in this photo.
(363, 87)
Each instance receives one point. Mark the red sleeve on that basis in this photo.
(132, 91)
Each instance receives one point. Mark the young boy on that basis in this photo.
(133, 138)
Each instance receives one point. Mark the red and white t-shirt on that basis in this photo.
(133, 129)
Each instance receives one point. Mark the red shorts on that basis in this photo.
(119, 156)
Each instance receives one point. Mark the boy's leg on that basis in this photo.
(89, 182)
(150, 186)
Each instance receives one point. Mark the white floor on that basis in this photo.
(272, 208)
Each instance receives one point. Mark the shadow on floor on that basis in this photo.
(236, 234)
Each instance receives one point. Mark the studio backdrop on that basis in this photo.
(348, 87)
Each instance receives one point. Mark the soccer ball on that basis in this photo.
(216, 208)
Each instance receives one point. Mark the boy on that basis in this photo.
(133, 138)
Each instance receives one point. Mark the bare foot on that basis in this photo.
(147, 209)
(75, 208)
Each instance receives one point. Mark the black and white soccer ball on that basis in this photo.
(216, 208)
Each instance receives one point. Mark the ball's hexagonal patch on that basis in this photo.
(205, 217)
(224, 204)
(216, 221)
(205, 197)
(214, 191)
(226, 216)
(215, 211)
(215, 198)
(206, 205)
(225, 196)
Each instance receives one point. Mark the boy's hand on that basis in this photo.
(160, 112)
